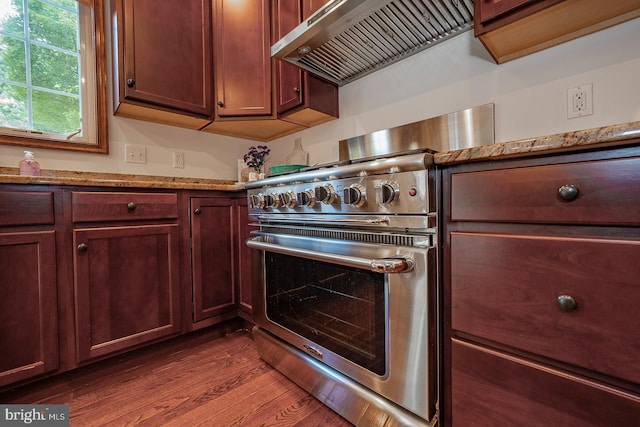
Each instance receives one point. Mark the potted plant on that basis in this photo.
(255, 159)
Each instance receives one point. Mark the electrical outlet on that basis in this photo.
(178, 159)
(580, 101)
(135, 154)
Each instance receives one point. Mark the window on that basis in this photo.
(53, 74)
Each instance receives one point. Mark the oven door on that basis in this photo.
(366, 310)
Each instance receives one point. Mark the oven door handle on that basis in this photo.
(377, 265)
(369, 221)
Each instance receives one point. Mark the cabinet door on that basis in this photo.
(167, 53)
(212, 223)
(246, 260)
(127, 286)
(242, 58)
(288, 15)
(28, 305)
(490, 388)
(301, 97)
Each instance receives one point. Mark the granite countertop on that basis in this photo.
(93, 179)
(614, 135)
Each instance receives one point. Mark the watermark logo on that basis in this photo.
(34, 415)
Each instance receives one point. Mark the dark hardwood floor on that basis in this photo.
(199, 380)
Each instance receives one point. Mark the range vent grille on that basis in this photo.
(385, 34)
(354, 236)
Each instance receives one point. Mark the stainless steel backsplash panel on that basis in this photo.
(468, 128)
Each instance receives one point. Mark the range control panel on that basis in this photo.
(393, 193)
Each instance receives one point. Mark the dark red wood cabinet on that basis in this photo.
(301, 97)
(248, 261)
(243, 67)
(164, 53)
(541, 285)
(28, 295)
(126, 270)
(510, 29)
(87, 273)
(501, 12)
(212, 257)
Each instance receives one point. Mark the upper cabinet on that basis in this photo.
(242, 59)
(510, 29)
(244, 72)
(206, 65)
(162, 58)
(301, 97)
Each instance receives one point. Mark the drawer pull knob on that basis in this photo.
(566, 303)
(197, 211)
(568, 193)
(131, 206)
(83, 247)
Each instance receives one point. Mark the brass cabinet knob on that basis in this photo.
(197, 211)
(220, 104)
(83, 247)
(296, 90)
(131, 206)
(566, 303)
(568, 192)
(131, 82)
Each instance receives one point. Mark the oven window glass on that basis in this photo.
(340, 308)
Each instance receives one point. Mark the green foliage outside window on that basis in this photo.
(39, 67)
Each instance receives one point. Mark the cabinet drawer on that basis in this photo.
(93, 206)
(493, 389)
(26, 208)
(505, 289)
(608, 193)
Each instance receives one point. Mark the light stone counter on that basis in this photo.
(92, 179)
(606, 136)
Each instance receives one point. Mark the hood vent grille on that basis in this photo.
(349, 39)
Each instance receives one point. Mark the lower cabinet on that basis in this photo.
(87, 273)
(28, 305)
(212, 257)
(490, 388)
(247, 260)
(541, 288)
(126, 276)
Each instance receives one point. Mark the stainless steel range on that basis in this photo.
(347, 305)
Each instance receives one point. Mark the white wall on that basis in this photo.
(529, 94)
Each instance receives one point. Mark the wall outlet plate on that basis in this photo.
(580, 101)
(178, 159)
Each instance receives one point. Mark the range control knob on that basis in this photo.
(267, 201)
(325, 194)
(287, 199)
(276, 200)
(255, 201)
(354, 195)
(306, 198)
(387, 192)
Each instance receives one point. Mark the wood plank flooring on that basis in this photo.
(199, 380)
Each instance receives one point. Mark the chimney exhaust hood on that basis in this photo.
(348, 39)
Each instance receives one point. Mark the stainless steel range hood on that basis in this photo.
(348, 39)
